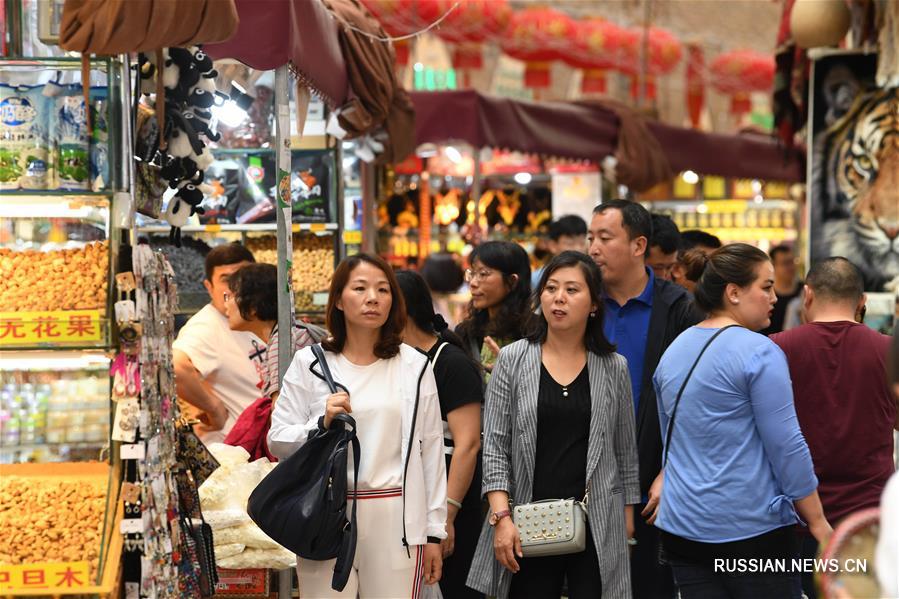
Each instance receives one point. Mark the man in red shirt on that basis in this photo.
(845, 409)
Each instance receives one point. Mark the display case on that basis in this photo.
(59, 481)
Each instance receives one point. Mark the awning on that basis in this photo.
(590, 131)
(302, 33)
(552, 128)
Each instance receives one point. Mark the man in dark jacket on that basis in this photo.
(643, 315)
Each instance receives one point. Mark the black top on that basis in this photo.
(563, 435)
(458, 383)
(458, 378)
(779, 314)
(672, 313)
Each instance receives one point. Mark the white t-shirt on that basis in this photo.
(377, 407)
(231, 362)
(887, 552)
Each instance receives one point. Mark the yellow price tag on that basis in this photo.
(212, 228)
(316, 227)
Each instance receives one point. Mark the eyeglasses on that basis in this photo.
(480, 275)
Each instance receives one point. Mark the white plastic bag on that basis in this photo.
(248, 534)
(219, 519)
(229, 550)
(276, 559)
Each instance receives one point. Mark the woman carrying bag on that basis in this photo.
(401, 494)
(736, 469)
(559, 425)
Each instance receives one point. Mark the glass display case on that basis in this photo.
(54, 406)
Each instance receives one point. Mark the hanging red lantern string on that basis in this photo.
(398, 18)
(695, 83)
(665, 53)
(739, 73)
(538, 36)
(467, 27)
(595, 49)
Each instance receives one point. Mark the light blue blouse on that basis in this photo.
(737, 459)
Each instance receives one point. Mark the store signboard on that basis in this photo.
(575, 193)
(59, 326)
(53, 578)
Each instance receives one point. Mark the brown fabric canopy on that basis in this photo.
(591, 131)
(553, 128)
(273, 33)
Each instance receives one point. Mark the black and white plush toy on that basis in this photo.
(188, 77)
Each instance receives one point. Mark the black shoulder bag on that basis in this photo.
(302, 503)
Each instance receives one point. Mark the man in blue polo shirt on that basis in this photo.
(643, 316)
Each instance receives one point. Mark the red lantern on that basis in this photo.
(739, 73)
(398, 18)
(466, 27)
(695, 83)
(595, 49)
(665, 52)
(538, 36)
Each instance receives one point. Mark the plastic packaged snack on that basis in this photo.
(72, 141)
(24, 138)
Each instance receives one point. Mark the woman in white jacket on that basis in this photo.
(392, 395)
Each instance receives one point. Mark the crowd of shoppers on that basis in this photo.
(634, 374)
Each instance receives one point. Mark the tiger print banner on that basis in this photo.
(854, 152)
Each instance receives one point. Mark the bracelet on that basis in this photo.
(632, 541)
(452, 501)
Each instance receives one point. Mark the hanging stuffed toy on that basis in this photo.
(188, 79)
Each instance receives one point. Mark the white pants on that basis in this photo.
(382, 569)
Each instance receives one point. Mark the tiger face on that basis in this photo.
(867, 177)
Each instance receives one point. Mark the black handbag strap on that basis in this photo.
(683, 386)
(319, 354)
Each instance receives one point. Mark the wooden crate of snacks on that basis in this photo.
(54, 517)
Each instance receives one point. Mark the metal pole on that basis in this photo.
(476, 194)
(341, 201)
(369, 208)
(644, 53)
(285, 249)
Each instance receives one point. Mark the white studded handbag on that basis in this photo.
(551, 526)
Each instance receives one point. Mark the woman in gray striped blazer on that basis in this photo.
(566, 439)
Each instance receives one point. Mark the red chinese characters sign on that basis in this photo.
(64, 326)
(52, 577)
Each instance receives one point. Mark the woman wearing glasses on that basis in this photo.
(499, 313)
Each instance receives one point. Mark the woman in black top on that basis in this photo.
(460, 390)
(500, 311)
(559, 424)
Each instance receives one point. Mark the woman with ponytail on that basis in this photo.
(460, 390)
(737, 474)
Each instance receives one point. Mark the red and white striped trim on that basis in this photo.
(418, 581)
(376, 493)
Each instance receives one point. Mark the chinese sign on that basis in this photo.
(33, 328)
(53, 577)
